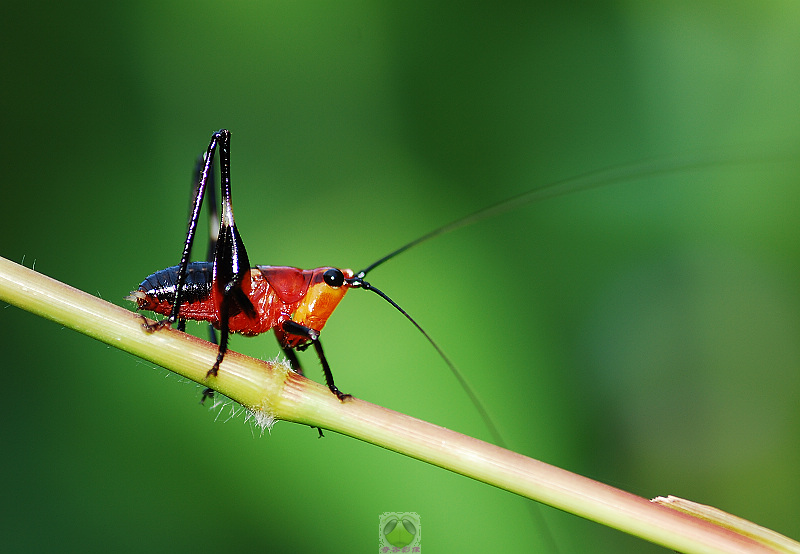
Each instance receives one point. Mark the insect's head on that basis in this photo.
(326, 289)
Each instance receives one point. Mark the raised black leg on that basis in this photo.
(231, 264)
(213, 234)
(197, 203)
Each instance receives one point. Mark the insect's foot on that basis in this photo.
(340, 395)
(155, 326)
(215, 368)
(208, 393)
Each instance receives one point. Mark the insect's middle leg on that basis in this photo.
(294, 361)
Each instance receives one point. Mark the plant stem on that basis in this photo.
(272, 391)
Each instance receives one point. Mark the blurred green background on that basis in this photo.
(644, 334)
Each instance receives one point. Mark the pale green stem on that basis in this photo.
(270, 390)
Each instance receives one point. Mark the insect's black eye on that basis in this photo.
(333, 278)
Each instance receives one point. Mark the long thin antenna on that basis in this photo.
(586, 181)
(536, 514)
(359, 283)
(590, 180)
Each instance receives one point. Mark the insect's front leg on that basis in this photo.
(311, 335)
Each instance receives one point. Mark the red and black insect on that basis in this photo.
(236, 297)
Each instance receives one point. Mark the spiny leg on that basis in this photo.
(310, 334)
(230, 261)
(213, 234)
(203, 175)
